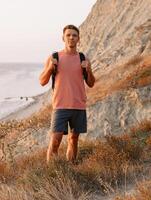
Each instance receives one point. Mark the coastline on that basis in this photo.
(40, 100)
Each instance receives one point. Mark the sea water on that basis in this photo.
(19, 83)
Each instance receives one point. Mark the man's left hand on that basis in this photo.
(86, 64)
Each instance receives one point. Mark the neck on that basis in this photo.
(70, 50)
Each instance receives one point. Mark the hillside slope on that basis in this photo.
(116, 36)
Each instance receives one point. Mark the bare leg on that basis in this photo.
(72, 146)
(54, 144)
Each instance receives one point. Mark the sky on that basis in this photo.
(32, 29)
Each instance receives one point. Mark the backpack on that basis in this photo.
(56, 56)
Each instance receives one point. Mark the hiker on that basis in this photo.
(69, 70)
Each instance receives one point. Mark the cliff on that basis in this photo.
(116, 36)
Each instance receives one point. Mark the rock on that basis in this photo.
(118, 112)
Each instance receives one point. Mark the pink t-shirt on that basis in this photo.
(69, 90)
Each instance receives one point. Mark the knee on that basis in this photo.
(73, 138)
(55, 143)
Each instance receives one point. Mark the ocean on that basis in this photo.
(19, 82)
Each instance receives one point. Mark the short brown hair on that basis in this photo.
(70, 26)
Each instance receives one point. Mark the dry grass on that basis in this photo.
(56, 181)
(101, 167)
(14, 127)
(13, 193)
(143, 192)
(113, 163)
(135, 73)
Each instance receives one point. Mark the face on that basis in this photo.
(71, 38)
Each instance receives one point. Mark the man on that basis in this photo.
(69, 98)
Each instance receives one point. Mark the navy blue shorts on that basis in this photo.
(75, 119)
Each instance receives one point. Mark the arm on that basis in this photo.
(90, 79)
(47, 71)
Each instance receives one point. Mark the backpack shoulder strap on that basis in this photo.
(82, 58)
(56, 56)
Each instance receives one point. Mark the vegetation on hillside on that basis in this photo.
(102, 167)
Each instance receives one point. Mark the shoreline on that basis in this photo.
(40, 100)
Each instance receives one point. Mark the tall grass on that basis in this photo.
(101, 167)
(143, 192)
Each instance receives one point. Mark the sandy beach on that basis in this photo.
(24, 112)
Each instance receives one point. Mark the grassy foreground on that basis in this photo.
(102, 168)
(143, 192)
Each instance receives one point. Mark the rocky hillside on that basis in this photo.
(116, 36)
(116, 30)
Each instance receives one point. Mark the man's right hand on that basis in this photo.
(48, 70)
(51, 63)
